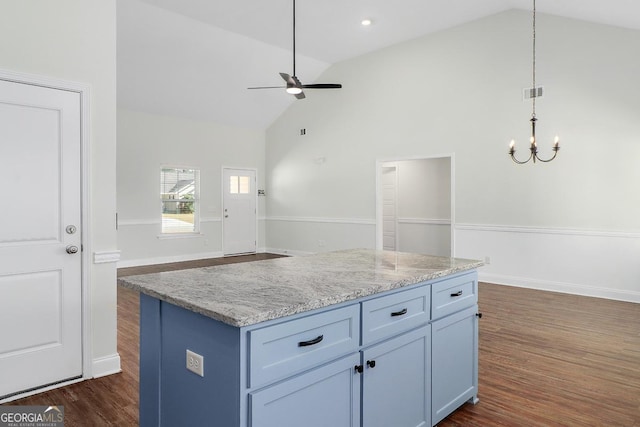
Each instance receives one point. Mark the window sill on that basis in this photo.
(168, 236)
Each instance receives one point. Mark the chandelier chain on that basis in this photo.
(534, 59)
(533, 147)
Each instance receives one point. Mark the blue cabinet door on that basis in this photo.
(454, 362)
(328, 396)
(396, 381)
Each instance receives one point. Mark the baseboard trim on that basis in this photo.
(287, 252)
(565, 288)
(168, 259)
(104, 366)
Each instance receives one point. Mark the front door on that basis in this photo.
(239, 211)
(40, 237)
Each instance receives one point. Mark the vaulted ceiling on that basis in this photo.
(196, 58)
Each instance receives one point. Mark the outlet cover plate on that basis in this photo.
(195, 363)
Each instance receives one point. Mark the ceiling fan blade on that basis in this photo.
(267, 87)
(287, 78)
(323, 86)
(300, 95)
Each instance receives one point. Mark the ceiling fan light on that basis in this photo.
(294, 90)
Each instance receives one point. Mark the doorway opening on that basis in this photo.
(415, 205)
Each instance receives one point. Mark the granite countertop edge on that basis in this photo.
(237, 320)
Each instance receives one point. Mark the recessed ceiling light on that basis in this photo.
(366, 22)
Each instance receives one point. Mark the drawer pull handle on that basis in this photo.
(399, 313)
(311, 342)
(457, 294)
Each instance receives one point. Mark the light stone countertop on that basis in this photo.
(247, 293)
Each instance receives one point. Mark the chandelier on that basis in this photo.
(533, 147)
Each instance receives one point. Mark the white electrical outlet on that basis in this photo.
(195, 363)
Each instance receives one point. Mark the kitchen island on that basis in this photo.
(346, 338)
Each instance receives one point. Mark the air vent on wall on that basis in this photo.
(528, 93)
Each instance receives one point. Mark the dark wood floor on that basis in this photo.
(546, 359)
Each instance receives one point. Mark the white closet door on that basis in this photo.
(40, 237)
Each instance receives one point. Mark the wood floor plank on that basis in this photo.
(546, 359)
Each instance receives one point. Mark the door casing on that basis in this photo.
(84, 91)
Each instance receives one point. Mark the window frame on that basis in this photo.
(195, 201)
(236, 188)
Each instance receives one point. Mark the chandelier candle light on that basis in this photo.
(534, 93)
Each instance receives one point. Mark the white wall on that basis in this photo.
(148, 141)
(75, 40)
(460, 91)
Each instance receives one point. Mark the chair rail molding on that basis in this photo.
(326, 220)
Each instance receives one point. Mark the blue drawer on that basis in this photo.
(453, 295)
(281, 350)
(393, 314)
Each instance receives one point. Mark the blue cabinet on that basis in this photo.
(454, 344)
(326, 396)
(402, 358)
(396, 382)
(455, 371)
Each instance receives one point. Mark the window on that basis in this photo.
(239, 185)
(179, 194)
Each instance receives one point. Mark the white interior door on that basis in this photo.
(389, 207)
(40, 275)
(239, 211)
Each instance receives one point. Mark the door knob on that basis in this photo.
(71, 249)
(226, 216)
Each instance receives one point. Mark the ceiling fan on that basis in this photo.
(293, 84)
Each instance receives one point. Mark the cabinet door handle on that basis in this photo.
(311, 342)
(371, 363)
(399, 313)
(457, 294)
